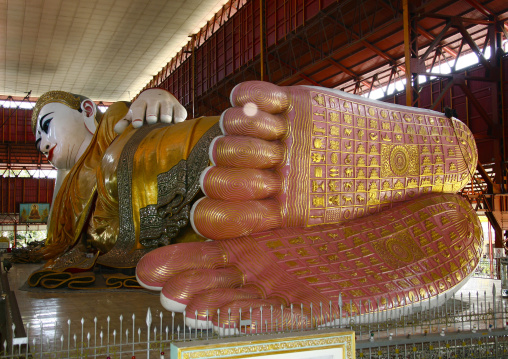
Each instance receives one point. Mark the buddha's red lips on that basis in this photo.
(50, 154)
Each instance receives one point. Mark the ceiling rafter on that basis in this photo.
(369, 45)
(329, 57)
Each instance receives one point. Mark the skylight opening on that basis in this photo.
(14, 104)
(30, 105)
(23, 173)
(463, 62)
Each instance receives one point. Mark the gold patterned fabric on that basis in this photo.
(146, 184)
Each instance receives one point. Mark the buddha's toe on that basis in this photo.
(156, 267)
(250, 121)
(257, 315)
(263, 95)
(180, 289)
(244, 151)
(218, 219)
(204, 309)
(246, 315)
(239, 184)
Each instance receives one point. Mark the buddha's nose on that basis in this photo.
(45, 145)
(45, 149)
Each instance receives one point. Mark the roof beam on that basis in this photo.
(431, 38)
(329, 60)
(368, 45)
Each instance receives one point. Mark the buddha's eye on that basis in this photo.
(45, 125)
(45, 121)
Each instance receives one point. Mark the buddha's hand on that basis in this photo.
(304, 156)
(151, 106)
(412, 253)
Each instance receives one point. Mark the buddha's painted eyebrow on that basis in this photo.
(43, 117)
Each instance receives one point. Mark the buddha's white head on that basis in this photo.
(63, 125)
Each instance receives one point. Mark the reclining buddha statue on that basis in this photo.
(305, 194)
(116, 196)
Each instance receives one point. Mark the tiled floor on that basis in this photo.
(53, 310)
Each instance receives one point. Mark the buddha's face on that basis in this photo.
(61, 135)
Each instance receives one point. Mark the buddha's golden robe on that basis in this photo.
(131, 193)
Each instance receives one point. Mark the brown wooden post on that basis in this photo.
(407, 52)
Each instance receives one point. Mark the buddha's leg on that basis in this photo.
(304, 156)
(410, 253)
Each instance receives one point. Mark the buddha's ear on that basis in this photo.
(89, 111)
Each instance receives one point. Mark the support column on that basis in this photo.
(407, 52)
(262, 37)
(193, 75)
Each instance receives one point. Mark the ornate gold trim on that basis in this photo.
(273, 346)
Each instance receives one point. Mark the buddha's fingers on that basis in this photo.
(241, 121)
(219, 219)
(239, 184)
(243, 151)
(180, 289)
(260, 95)
(156, 267)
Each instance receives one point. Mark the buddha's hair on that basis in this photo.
(68, 99)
